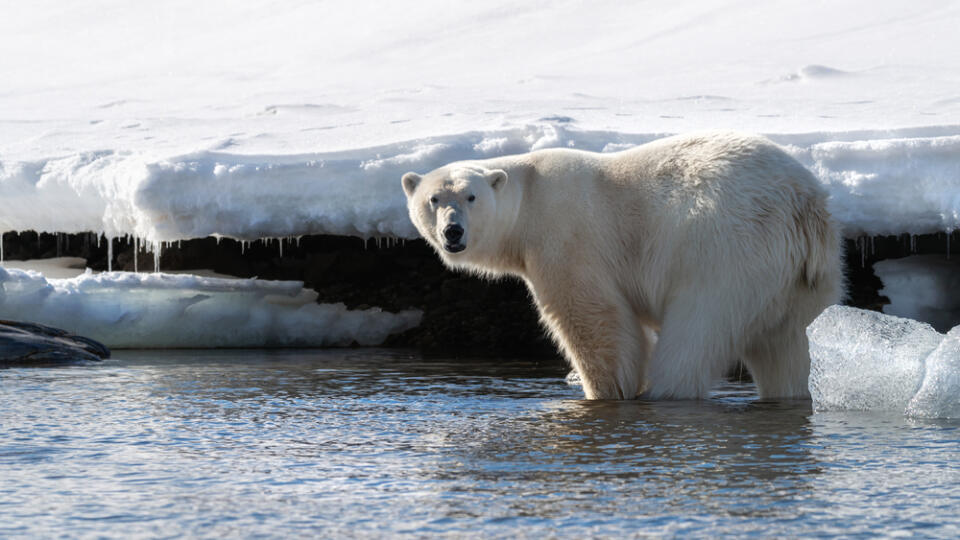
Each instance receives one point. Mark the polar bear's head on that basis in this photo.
(455, 208)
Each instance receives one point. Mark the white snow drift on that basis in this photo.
(887, 186)
(124, 310)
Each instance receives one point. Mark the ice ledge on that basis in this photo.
(864, 360)
(129, 310)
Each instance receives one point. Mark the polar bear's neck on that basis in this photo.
(506, 256)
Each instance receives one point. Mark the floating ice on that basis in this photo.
(939, 396)
(128, 310)
(864, 360)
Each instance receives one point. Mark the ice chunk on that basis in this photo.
(922, 287)
(939, 396)
(864, 360)
(124, 310)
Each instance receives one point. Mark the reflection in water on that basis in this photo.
(382, 443)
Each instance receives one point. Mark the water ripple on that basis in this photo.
(382, 443)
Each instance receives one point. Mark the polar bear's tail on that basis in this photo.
(822, 269)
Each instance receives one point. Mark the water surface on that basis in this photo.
(385, 443)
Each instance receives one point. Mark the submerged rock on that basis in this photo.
(23, 343)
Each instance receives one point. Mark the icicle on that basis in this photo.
(136, 248)
(873, 248)
(98, 240)
(298, 241)
(157, 250)
(109, 254)
(281, 247)
(243, 247)
(861, 242)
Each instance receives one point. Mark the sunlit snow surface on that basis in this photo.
(175, 119)
(864, 360)
(123, 309)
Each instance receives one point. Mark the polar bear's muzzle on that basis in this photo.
(453, 238)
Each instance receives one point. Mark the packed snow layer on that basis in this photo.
(877, 186)
(179, 119)
(864, 360)
(922, 287)
(129, 310)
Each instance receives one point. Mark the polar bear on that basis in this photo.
(654, 269)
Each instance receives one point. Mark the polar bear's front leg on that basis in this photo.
(600, 337)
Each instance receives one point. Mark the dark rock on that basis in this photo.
(23, 343)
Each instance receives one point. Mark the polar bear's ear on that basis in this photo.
(410, 182)
(497, 178)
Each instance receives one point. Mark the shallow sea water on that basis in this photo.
(370, 443)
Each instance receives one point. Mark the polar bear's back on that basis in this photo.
(712, 163)
(723, 179)
(737, 201)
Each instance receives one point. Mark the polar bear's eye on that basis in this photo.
(433, 200)
(471, 198)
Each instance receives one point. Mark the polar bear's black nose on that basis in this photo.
(453, 233)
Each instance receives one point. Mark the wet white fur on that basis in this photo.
(656, 268)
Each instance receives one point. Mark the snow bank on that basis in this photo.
(922, 287)
(864, 360)
(899, 185)
(128, 310)
(890, 186)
